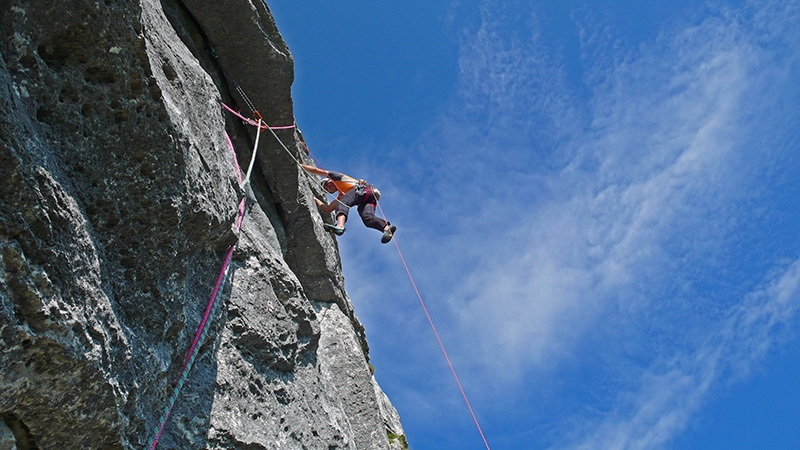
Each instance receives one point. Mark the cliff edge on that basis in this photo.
(119, 201)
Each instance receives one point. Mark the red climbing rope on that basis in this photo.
(439, 339)
(260, 125)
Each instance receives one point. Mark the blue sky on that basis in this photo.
(598, 202)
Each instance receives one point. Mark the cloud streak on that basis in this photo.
(671, 392)
(653, 163)
(610, 238)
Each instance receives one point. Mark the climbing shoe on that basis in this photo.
(334, 229)
(388, 234)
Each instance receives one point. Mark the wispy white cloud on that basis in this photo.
(651, 168)
(547, 230)
(670, 392)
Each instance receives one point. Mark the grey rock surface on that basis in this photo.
(118, 204)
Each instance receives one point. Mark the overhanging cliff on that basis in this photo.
(119, 199)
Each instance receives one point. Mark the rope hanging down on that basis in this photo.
(263, 126)
(400, 253)
(202, 330)
(260, 125)
(253, 158)
(438, 339)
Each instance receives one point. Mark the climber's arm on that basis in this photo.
(325, 208)
(314, 170)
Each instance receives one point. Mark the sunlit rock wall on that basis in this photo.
(118, 202)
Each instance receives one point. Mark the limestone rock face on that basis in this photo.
(119, 201)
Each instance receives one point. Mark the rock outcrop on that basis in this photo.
(118, 203)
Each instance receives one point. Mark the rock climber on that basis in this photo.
(352, 192)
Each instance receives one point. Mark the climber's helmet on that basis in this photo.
(328, 187)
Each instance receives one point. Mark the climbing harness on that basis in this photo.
(361, 188)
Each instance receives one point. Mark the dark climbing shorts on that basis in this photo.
(366, 204)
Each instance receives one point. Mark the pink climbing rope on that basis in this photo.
(192, 353)
(199, 336)
(402, 259)
(253, 122)
(235, 159)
